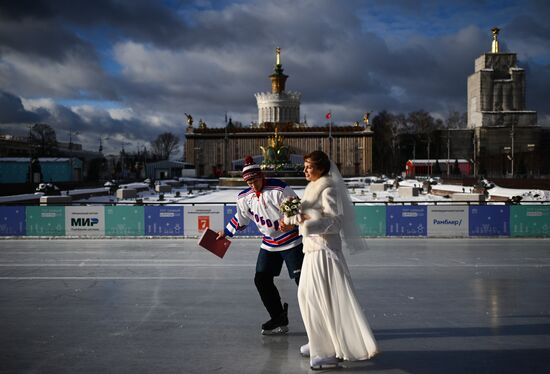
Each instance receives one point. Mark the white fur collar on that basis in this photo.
(314, 189)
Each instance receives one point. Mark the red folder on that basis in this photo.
(216, 246)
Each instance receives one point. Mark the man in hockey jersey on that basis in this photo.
(260, 203)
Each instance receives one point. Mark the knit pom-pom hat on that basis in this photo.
(251, 170)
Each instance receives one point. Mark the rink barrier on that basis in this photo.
(453, 221)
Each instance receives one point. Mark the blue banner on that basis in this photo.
(489, 220)
(164, 220)
(250, 230)
(12, 221)
(406, 221)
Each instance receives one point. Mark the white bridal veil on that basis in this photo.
(351, 234)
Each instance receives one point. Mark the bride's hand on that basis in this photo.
(304, 217)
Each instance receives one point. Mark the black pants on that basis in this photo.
(269, 266)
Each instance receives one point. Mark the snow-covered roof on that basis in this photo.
(525, 194)
(136, 185)
(22, 197)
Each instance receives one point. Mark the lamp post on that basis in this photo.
(508, 151)
(531, 149)
(448, 148)
(122, 153)
(512, 148)
(101, 139)
(358, 159)
(474, 143)
(197, 157)
(71, 133)
(225, 147)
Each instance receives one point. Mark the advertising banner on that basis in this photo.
(45, 220)
(530, 220)
(124, 221)
(199, 217)
(371, 219)
(489, 220)
(164, 220)
(406, 220)
(250, 230)
(448, 221)
(84, 221)
(12, 221)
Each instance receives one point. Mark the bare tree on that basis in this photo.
(381, 141)
(43, 136)
(387, 128)
(424, 126)
(164, 145)
(456, 120)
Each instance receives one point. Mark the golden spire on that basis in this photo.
(494, 45)
(278, 79)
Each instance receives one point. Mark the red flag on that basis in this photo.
(328, 115)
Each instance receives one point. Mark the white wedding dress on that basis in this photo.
(334, 320)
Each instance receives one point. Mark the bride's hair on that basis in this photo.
(320, 160)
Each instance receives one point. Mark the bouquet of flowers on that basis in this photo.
(290, 206)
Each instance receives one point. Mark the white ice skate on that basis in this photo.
(304, 350)
(322, 363)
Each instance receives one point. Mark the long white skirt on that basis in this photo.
(334, 321)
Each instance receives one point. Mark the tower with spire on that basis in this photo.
(279, 106)
(505, 135)
(496, 90)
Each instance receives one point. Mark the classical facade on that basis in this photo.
(506, 136)
(216, 151)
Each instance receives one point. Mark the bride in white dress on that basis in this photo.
(335, 323)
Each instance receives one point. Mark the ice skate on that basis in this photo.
(278, 325)
(322, 363)
(304, 350)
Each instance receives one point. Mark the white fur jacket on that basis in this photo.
(322, 230)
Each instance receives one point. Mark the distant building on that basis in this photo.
(167, 169)
(214, 151)
(414, 168)
(14, 146)
(506, 138)
(47, 169)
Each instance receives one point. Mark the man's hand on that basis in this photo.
(221, 235)
(284, 227)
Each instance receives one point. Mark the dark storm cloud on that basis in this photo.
(161, 59)
(537, 76)
(37, 33)
(88, 126)
(12, 110)
(527, 28)
(24, 8)
(144, 20)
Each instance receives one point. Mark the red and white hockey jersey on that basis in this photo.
(263, 209)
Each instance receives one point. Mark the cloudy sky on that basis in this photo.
(128, 70)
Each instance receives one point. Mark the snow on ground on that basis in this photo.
(452, 188)
(85, 191)
(526, 195)
(194, 195)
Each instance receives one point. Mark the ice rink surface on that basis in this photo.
(167, 306)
